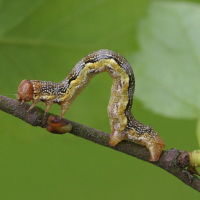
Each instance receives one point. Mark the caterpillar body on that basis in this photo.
(122, 122)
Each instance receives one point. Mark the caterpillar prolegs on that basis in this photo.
(122, 122)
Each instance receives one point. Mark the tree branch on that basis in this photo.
(172, 160)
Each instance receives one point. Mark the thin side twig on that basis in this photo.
(172, 160)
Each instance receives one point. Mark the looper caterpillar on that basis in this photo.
(122, 122)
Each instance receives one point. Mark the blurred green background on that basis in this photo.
(43, 40)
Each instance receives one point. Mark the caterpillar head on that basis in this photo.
(25, 91)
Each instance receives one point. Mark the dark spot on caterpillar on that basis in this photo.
(42, 99)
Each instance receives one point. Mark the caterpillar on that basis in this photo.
(123, 124)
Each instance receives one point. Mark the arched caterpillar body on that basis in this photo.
(123, 124)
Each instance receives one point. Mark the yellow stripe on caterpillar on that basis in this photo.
(123, 124)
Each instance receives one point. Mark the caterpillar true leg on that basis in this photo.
(123, 124)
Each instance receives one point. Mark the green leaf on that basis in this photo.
(198, 130)
(167, 66)
(44, 39)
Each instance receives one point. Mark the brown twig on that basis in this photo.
(172, 160)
